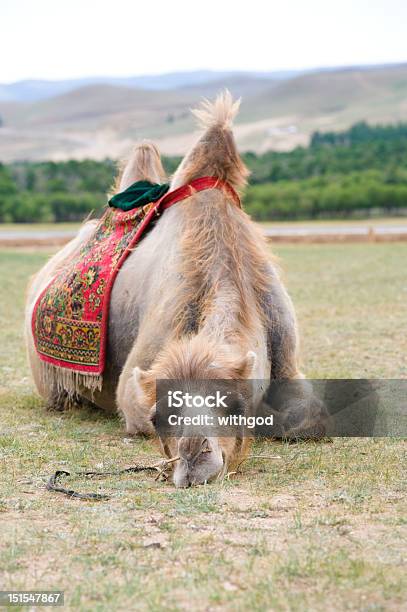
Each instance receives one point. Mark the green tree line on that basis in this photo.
(356, 171)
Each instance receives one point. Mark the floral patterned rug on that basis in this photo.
(70, 317)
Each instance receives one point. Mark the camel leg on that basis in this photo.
(282, 340)
(58, 400)
(298, 412)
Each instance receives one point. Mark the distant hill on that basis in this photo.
(338, 91)
(279, 110)
(34, 90)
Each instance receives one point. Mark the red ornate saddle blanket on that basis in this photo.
(70, 317)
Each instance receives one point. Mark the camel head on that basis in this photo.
(196, 366)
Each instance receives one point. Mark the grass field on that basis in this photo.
(322, 528)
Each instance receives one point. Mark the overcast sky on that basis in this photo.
(58, 39)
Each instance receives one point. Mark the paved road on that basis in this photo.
(278, 232)
(41, 235)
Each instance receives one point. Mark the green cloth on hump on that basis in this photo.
(138, 194)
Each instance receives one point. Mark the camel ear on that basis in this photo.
(246, 367)
(141, 378)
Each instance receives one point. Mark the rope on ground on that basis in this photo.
(54, 486)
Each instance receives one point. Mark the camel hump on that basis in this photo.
(215, 153)
(143, 164)
(220, 113)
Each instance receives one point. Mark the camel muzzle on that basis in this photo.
(200, 460)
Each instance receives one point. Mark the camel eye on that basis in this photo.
(205, 447)
(153, 419)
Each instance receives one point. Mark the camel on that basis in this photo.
(199, 298)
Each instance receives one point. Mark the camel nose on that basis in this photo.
(182, 475)
(200, 461)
